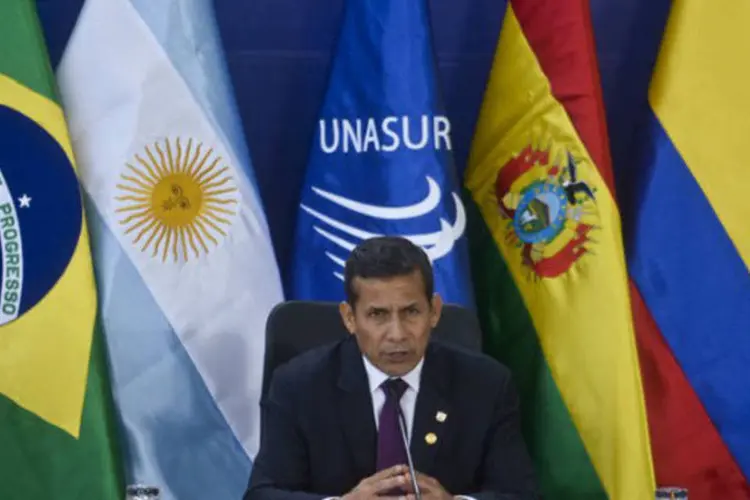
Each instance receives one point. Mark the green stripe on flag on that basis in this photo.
(39, 461)
(23, 52)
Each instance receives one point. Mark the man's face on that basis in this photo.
(392, 320)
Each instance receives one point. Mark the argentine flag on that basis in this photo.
(184, 263)
(381, 160)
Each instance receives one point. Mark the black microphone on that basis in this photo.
(405, 440)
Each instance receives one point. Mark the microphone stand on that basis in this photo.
(405, 440)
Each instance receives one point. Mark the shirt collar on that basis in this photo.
(376, 377)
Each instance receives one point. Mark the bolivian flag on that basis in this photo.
(552, 284)
(54, 431)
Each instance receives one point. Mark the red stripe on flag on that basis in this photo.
(686, 447)
(560, 34)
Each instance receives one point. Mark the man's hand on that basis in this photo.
(430, 488)
(380, 483)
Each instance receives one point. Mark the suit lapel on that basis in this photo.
(355, 409)
(432, 412)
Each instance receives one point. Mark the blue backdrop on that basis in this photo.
(279, 53)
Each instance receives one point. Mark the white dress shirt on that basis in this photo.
(375, 378)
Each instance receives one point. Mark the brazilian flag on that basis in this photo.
(56, 429)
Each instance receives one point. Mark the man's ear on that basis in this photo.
(347, 316)
(436, 309)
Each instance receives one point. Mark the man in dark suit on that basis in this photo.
(330, 421)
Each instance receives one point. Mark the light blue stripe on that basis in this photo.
(171, 424)
(188, 32)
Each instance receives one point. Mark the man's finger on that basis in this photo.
(396, 470)
(427, 485)
(384, 485)
(408, 486)
(425, 476)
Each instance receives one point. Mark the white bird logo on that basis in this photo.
(437, 244)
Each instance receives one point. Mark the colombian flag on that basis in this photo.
(689, 251)
(549, 267)
(55, 434)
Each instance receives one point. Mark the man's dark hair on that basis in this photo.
(386, 257)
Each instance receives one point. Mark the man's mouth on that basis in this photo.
(397, 356)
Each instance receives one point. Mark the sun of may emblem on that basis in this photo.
(549, 209)
(174, 202)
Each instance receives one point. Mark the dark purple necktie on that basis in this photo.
(391, 449)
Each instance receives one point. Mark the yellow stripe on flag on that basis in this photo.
(44, 354)
(700, 95)
(583, 315)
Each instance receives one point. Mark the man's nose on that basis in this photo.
(396, 330)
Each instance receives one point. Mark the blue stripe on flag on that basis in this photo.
(696, 286)
(172, 426)
(188, 33)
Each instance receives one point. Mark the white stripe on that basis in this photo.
(427, 205)
(121, 93)
(9, 308)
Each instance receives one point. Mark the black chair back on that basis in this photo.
(294, 327)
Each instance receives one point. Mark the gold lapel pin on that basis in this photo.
(430, 438)
(441, 416)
